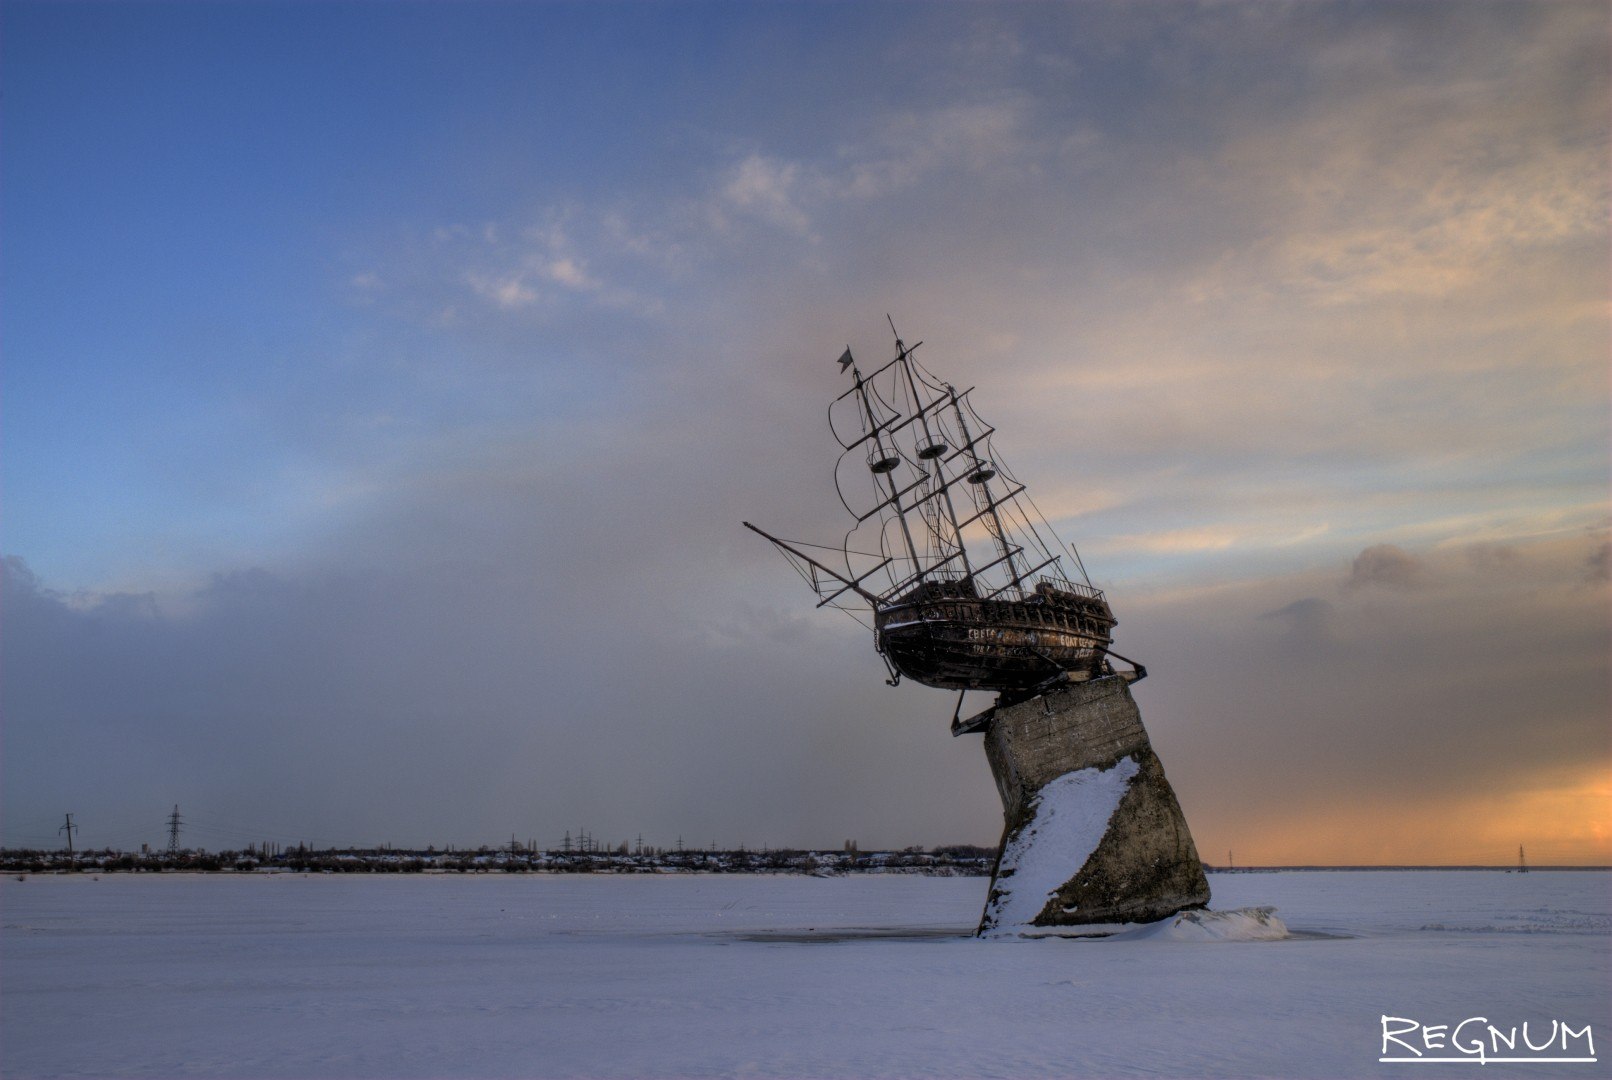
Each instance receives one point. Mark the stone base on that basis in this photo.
(1093, 832)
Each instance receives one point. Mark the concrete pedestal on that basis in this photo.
(1093, 833)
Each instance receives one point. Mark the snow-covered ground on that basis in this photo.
(665, 976)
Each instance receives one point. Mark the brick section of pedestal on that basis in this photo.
(1146, 866)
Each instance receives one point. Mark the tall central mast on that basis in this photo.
(884, 464)
(933, 448)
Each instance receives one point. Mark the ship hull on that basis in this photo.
(977, 644)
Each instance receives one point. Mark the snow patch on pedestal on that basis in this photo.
(1068, 818)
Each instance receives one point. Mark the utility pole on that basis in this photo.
(68, 829)
(1522, 863)
(173, 831)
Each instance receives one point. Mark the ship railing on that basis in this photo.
(932, 572)
(1065, 585)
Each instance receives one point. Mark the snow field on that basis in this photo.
(670, 976)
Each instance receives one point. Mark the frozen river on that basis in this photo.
(669, 976)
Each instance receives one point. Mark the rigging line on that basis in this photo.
(891, 427)
(840, 491)
(846, 546)
(1082, 564)
(880, 398)
(895, 500)
(804, 576)
(932, 380)
(885, 554)
(1020, 522)
(929, 513)
(854, 616)
(831, 547)
(1072, 549)
(1004, 466)
(870, 376)
(848, 444)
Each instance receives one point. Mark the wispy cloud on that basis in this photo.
(507, 292)
(767, 188)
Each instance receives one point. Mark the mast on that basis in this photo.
(884, 464)
(977, 469)
(932, 448)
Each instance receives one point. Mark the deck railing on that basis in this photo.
(1065, 585)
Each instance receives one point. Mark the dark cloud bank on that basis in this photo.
(429, 688)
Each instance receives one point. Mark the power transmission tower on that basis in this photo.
(68, 829)
(173, 831)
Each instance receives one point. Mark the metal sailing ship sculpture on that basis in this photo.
(964, 579)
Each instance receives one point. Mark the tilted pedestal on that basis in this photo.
(1093, 832)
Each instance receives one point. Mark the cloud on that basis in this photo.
(895, 153)
(1396, 184)
(1385, 566)
(1599, 563)
(908, 147)
(1372, 724)
(767, 188)
(508, 292)
(563, 264)
(1308, 619)
(567, 272)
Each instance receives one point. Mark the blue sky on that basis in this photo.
(479, 318)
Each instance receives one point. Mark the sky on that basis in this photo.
(384, 386)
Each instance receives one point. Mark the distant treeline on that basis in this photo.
(952, 860)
